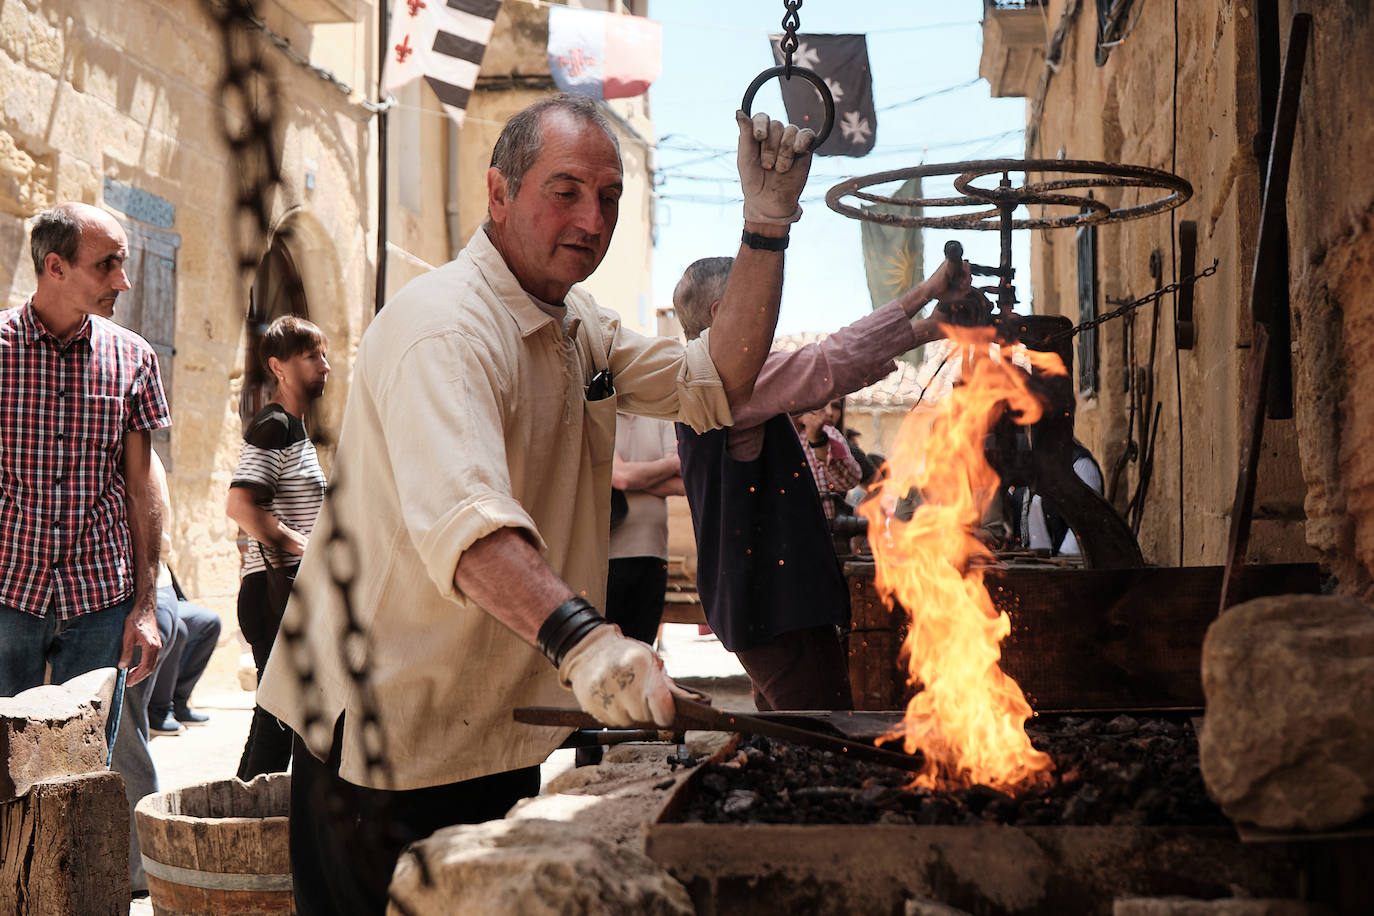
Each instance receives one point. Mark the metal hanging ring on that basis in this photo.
(1087, 211)
(812, 77)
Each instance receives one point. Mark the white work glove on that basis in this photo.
(773, 164)
(618, 679)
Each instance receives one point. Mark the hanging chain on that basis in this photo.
(791, 21)
(249, 129)
(248, 98)
(1134, 304)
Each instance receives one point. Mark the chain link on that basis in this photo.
(249, 128)
(249, 99)
(1134, 304)
(791, 21)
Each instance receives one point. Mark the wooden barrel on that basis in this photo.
(218, 848)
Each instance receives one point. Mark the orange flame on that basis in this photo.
(967, 717)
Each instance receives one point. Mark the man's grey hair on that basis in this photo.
(702, 283)
(522, 138)
(54, 231)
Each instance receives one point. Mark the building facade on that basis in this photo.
(120, 105)
(1179, 87)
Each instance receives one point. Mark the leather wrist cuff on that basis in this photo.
(764, 242)
(567, 626)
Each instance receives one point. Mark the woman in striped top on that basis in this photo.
(275, 494)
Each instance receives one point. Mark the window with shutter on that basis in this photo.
(149, 307)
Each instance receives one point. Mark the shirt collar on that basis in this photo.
(528, 316)
(34, 330)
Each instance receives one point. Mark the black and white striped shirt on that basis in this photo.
(277, 461)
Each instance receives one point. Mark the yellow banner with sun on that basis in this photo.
(893, 256)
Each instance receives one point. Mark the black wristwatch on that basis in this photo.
(764, 242)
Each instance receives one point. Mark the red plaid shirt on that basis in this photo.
(64, 410)
(837, 474)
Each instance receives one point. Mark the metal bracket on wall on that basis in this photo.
(1187, 262)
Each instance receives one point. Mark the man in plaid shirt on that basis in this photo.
(79, 506)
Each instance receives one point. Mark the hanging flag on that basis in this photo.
(842, 61)
(603, 55)
(442, 41)
(894, 256)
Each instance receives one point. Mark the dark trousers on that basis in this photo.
(803, 669)
(261, 604)
(346, 839)
(197, 633)
(634, 595)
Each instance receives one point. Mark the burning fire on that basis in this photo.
(968, 717)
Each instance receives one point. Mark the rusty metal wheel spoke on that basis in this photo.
(1094, 175)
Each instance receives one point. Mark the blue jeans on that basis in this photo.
(73, 647)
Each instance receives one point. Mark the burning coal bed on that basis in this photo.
(1121, 771)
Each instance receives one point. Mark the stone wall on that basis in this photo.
(92, 93)
(1179, 94)
(1331, 260)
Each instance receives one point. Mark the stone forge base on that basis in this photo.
(769, 868)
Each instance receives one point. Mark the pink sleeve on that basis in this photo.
(847, 360)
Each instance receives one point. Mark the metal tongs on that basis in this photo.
(696, 716)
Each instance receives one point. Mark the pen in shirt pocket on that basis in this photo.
(600, 387)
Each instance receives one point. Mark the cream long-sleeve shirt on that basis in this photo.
(466, 414)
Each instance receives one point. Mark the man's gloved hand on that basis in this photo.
(618, 679)
(773, 164)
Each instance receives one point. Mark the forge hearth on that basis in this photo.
(773, 828)
(1120, 771)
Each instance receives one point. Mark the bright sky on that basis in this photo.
(712, 49)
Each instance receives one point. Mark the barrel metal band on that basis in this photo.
(215, 881)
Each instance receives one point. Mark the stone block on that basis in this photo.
(27, 101)
(76, 180)
(14, 28)
(1288, 741)
(44, 46)
(531, 866)
(1230, 906)
(96, 68)
(66, 848)
(54, 730)
(26, 179)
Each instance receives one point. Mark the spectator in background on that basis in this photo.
(1035, 526)
(198, 629)
(646, 469)
(275, 495)
(79, 399)
(768, 576)
(827, 454)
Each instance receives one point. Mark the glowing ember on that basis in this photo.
(967, 717)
